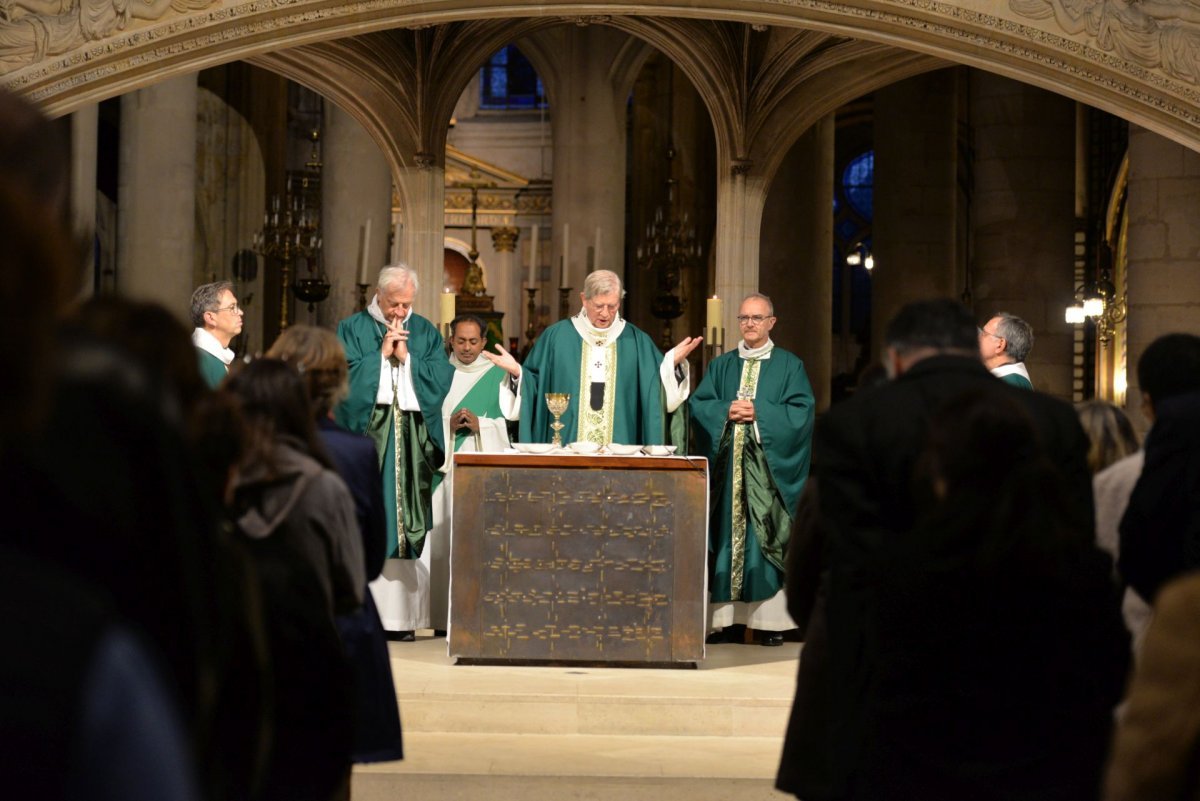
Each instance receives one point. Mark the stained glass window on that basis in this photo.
(509, 81)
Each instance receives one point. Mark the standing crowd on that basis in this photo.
(203, 559)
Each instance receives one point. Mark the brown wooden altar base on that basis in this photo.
(578, 559)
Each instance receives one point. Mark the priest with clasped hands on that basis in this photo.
(622, 388)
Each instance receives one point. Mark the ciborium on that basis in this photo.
(557, 403)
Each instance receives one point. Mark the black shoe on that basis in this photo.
(401, 636)
(771, 638)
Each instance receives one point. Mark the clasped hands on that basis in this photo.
(395, 341)
(464, 418)
(742, 411)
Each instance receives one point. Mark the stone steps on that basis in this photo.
(543, 734)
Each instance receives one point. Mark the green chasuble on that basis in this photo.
(410, 444)
(635, 388)
(1017, 380)
(212, 369)
(754, 487)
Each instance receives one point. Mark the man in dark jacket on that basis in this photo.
(859, 499)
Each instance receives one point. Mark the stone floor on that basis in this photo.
(550, 733)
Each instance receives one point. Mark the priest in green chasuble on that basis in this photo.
(471, 423)
(753, 416)
(399, 376)
(622, 388)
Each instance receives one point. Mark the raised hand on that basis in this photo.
(504, 361)
(684, 348)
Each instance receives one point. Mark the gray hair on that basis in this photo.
(398, 275)
(1017, 333)
(602, 282)
(206, 298)
(764, 299)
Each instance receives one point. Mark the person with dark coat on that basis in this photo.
(1160, 532)
(318, 353)
(860, 507)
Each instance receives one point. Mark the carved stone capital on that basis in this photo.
(740, 166)
(504, 238)
(425, 161)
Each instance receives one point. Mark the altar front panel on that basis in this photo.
(578, 558)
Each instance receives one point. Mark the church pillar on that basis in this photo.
(85, 124)
(1022, 216)
(506, 279)
(797, 243)
(156, 210)
(740, 198)
(915, 197)
(423, 206)
(1163, 283)
(356, 187)
(589, 157)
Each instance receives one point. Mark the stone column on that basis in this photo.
(589, 155)
(1163, 205)
(797, 243)
(156, 211)
(1022, 216)
(85, 125)
(915, 198)
(740, 198)
(507, 278)
(423, 202)
(356, 186)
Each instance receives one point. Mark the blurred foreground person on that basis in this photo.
(298, 519)
(319, 355)
(1109, 431)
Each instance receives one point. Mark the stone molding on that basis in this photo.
(1010, 41)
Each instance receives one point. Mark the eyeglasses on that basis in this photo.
(983, 331)
(234, 308)
(744, 319)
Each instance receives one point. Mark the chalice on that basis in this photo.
(557, 403)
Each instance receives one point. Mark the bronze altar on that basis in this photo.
(569, 559)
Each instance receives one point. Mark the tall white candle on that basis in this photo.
(596, 258)
(566, 254)
(364, 254)
(447, 307)
(533, 255)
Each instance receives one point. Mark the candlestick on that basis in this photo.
(531, 312)
(596, 256)
(566, 255)
(364, 254)
(533, 256)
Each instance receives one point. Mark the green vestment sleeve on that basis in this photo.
(212, 369)
(639, 414)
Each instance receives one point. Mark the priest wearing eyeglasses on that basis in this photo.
(753, 415)
(218, 319)
(622, 388)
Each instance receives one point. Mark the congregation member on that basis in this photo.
(1160, 531)
(399, 377)
(218, 319)
(861, 512)
(1004, 343)
(472, 422)
(622, 388)
(297, 518)
(753, 415)
(318, 355)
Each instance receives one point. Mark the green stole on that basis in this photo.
(483, 398)
(212, 369)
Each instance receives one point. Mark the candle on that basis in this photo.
(364, 254)
(533, 262)
(397, 233)
(596, 257)
(562, 268)
(714, 319)
(447, 307)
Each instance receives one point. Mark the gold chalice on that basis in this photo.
(557, 403)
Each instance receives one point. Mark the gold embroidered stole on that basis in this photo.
(397, 434)
(737, 521)
(598, 360)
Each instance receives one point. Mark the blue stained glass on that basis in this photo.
(509, 81)
(847, 229)
(498, 85)
(858, 183)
